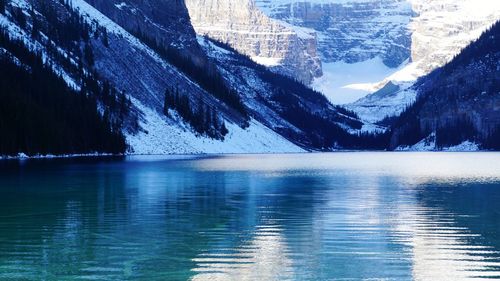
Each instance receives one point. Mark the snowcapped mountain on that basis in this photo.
(288, 49)
(351, 31)
(150, 84)
(118, 56)
(362, 44)
(440, 30)
(176, 94)
(458, 104)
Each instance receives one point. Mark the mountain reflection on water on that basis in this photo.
(336, 216)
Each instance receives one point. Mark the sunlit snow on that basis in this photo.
(345, 82)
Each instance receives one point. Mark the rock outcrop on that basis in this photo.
(288, 49)
(440, 30)
(164, 21)
(351, 31)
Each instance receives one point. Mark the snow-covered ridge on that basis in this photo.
(162, 136)
(143, 75)
(398, 40)
(440, 30)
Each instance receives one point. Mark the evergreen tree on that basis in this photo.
(40, 114)
(35, 29)
(19, 17)
(166, 102)
(105, 39)
(88, 54)
(223, 129)
(3, 5)
(215, 120)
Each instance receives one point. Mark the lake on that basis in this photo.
(334, 216)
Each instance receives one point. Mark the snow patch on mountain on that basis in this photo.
(344, 83)
(429, 144)
(287, 49)
(18, 33)
(464, 146)
(266, 61)
(162, 136)
(440, 30)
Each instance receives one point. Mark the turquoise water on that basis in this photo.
(338, 216)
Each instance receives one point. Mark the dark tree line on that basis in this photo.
(411, 130)
(455, 132)
(65, 29)
(493, 139)
(446, 91)
(322, 129)
(408, 124)
(95, 130)
(3, 6)
(64, 24)
(204, 119)
(40, 114)
(322, 132)
(116, 105)
(207, 77)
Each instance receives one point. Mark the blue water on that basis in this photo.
(338, 216)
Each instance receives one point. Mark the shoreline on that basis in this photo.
(23, 156)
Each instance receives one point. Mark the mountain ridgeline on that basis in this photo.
(157, 88)
(130, 76)
(457, 102)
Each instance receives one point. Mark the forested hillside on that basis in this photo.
(41, 114)
(459, 102)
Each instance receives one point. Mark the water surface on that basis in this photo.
(337, 216)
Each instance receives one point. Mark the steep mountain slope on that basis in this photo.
(440, 30)
(41, 114)
(458, 103)
(284, 48)
(362, 44)
(127, 65)
(287, 106)
(178, 99)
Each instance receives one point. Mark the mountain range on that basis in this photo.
(225, 76)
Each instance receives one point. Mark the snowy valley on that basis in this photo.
(361, 44)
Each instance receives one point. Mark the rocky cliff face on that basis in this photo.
(227, 104)
(398, 40)
(240, 23)
(440, 30)
(351, 31)
(164, 21)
